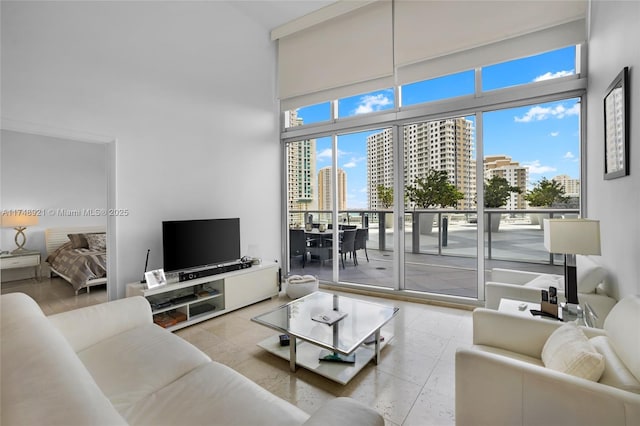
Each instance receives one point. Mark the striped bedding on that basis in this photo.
(79, 265)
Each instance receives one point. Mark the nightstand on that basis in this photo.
(25, 259)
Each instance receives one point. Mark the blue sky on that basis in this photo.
(544, 137)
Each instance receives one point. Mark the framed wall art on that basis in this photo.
(616, 127)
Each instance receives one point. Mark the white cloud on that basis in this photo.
(536, 168)
(554, 134)
(353, 162)
(364, 189)
(538, 113)
(372, 103)
(550, 75)
(569, 155)
(324, 154)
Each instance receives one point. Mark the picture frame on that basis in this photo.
(155, 278)
(616, 127)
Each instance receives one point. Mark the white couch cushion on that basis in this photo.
(132, 365)
(589, 274)
(621, 326)
(43, 381)
(214, 394)
(615, 373)
(568, 350)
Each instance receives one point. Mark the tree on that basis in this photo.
(385, 195)
(497, 191)
(545, 193)
(434, 189)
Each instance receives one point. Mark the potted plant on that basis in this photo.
(432, 190)
(545, 193)
(497, 191)
(385, 196)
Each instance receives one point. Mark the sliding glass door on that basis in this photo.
(440, 211)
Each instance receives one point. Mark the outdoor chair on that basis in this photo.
(362, 235)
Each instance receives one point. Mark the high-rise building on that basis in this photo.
(301, 171)
(571, 186)
(379, 166)
(513, 172)
(439, 145)
(325, 196)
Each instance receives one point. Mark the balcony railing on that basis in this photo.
(446, 232)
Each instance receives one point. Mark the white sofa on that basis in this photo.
(109, 364)
(502, 379)
(526, 286)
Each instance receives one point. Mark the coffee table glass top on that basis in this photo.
(345, 336)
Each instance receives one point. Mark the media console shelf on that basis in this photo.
(180, 304)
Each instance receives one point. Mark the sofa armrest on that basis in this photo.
(496, 390)
(85, 327)
(512, 332)
(494, 291)
(517, 333)
(345, 411)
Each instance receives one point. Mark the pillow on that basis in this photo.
(615, 374)
(568, 350)
(97, 242)
(78, 241)
(589, 274)
(544, 281)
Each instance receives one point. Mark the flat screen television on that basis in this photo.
(191, 244)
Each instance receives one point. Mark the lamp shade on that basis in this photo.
(572, 236)
(18, 220)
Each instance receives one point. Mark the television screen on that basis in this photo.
(194, 243)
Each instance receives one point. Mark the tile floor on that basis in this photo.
(412, 385)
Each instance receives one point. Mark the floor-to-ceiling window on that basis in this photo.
(531, 170)
(489, 142)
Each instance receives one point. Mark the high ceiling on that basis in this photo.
(273, 13)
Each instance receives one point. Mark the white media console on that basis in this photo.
(180, 304)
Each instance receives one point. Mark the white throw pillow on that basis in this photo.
(544, 281)
(589, 274)
(568, 350)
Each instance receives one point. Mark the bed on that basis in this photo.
(78, 255)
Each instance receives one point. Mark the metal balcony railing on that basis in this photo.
(513, 235)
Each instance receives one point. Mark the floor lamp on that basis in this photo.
(571, 237)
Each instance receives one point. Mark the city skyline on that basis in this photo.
(544, 137)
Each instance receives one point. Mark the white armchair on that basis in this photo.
(502, 380)
(526, 286)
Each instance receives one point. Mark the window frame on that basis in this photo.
(557, 89)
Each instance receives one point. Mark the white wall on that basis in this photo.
(186, 88)
(54, 176)
(613, 44)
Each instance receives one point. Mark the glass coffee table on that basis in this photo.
(338, 351)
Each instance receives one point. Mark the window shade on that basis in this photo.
(435, 38)
(384, 43)
(338, 58)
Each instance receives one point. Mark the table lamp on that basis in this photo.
(19, 222)
(571, 237)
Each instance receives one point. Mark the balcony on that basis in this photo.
(443, 261)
